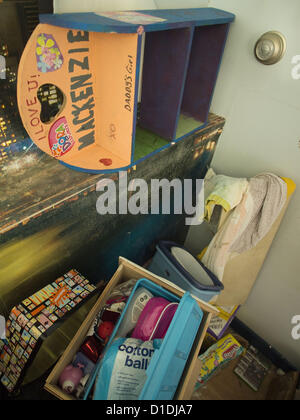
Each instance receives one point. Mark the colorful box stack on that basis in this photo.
(35, 319)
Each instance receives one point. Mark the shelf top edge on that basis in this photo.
(132, 21)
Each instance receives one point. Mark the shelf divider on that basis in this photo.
(166, 61)
(205, 59)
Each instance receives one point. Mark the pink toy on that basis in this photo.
(155, 319)
(70, 378)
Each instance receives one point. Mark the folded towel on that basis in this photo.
(249, 222)
(269, 194)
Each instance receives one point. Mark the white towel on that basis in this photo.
(249, 222)
(269, 193)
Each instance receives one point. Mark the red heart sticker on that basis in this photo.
(106, 162)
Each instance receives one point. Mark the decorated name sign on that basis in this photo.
(76, 95)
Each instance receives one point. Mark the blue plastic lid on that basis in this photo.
(166, 246)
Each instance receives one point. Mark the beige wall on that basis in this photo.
(262, 133)
(62, 6)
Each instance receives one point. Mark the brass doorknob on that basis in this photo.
(270, 47)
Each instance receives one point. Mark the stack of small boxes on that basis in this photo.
(36, 318)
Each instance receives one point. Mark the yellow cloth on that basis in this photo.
(222, 190)
(291, 186)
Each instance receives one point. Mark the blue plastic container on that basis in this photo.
(168, 362)
(165, 265)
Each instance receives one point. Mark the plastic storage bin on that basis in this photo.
(165, 264)
(168, 362)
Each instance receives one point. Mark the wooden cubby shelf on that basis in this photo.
(133, 82)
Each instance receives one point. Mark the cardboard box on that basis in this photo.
(128, 270)
(220, 323)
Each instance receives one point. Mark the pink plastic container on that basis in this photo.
(155, 319)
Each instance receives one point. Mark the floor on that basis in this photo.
(226, 385)
(33, 392)
(273, 387)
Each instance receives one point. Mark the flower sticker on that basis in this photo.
(60, 138)
(48, 55)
